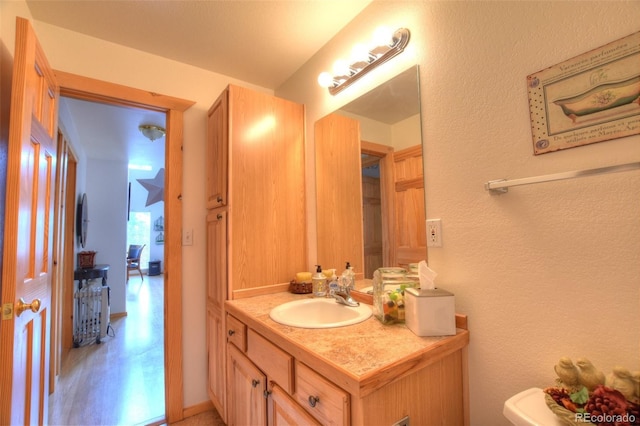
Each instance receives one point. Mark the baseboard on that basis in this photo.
(117, 315)
(197, 409)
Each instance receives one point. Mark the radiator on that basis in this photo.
(92, 311)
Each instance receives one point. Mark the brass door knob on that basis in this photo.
(23, 306)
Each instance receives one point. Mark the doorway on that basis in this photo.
(378, 205)
(78, 87)
(115, 158)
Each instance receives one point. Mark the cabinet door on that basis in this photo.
(267, 189)
(284, 411)
(217, 259)
(246, 403)
(217, 152)
(339, 227)
(216, 359)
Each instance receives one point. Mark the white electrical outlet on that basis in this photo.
(434, 233)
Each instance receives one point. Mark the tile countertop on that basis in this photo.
(360, 356)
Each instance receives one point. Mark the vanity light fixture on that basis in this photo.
(152, 132)
(385, 46)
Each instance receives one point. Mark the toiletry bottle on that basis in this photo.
(344, 278)
(319, 283)
(348, 277)
(352, 277)
(333, 284)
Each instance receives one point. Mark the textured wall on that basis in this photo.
(545, 270)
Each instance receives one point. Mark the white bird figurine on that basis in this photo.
(588, 376)
(567, 372)
(621, 380)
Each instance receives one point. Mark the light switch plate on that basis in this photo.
(187, 237)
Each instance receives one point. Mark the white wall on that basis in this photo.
(543, 271)
(107, 231)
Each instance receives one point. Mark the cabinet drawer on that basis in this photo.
(276, 363)
(236, 333)
(283, 410)
(325, 401)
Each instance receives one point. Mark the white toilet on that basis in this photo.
(528, 408)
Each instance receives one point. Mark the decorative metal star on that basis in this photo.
(155, 187)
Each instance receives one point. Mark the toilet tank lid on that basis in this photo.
(528, 408)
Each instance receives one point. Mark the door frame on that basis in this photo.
(63, 248)
(88, 89)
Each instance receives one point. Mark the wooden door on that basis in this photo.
(27, 260)
(63, 245)
(410, 228)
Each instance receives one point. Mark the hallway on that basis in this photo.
(121, 380)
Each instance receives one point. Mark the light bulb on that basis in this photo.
(341, 67)
(360, 53)
(382, 36)
(325, 79)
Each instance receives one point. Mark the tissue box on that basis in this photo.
(430, 312)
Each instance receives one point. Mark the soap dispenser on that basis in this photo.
(319, 283)
(348, 277)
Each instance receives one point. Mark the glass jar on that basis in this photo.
(388, 294)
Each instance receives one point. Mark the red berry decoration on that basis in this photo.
(607, 406)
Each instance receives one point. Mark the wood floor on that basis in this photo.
(121, 380)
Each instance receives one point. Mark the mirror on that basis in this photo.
(369, 180)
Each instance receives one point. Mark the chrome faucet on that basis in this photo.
(343, 296)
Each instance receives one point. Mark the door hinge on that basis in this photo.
(7, 311)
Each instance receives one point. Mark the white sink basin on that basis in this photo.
(319, 313)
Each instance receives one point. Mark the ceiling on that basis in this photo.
(111, 133)
(229, 37)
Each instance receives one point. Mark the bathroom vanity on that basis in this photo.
(262, 372)
(362, 374)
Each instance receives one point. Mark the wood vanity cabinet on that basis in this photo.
(360, 375)
(255, 196)
(268, 386)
